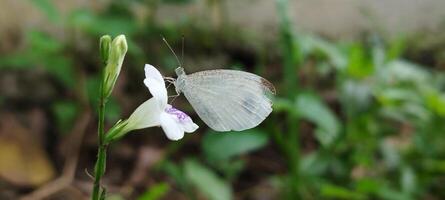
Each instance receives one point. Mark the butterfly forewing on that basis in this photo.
(227, 99)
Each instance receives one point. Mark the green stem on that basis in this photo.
(292, 58)
(293, 149)
(99, 169)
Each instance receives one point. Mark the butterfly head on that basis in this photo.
(179, 71)
(180, 80)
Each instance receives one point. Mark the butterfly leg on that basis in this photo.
(174, 98)
(169, 79)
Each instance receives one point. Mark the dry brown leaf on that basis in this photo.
(23, 161)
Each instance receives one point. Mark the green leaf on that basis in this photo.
(387, 193)
(435, 102)
(368, 185)
(337, 192)
(155, 192)
(311, 108)
(283, 105)
(223, 146)
(404, 71)
(312, 43)
(360, 64)
(206, 181)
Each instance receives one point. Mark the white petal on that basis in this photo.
(183, 120)
(146, 115)
(171, 128)
(152, 73)
(155, 83)
(189, 127)
(158, 91)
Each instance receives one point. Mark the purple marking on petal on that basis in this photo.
(180, 116)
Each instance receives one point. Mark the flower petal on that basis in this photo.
(152, 73)
(183, 120)
(171, 127)
(155, 83)
(158, 91)
(146, 115)
(189, 127)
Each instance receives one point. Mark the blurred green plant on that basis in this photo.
(155, 192)
(206, 181)
(43, 51)
(388, 105)
(215, 145)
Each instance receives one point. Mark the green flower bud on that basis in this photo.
(116, 57)
(104, 48)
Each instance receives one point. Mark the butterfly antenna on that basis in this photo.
(182, 51)
(168, 45)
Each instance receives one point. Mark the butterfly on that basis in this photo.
(226, 100)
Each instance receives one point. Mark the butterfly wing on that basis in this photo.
(228, 99)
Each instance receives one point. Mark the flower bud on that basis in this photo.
(104, 48)
(116, 56)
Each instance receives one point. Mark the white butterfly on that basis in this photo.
(227, 99)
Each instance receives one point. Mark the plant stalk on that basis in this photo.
(293, 149)
(99, 169)
(292, 58)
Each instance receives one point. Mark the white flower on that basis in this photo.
(157, 112)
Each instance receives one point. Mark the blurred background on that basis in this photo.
(359, 111)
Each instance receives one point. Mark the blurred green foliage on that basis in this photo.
(311, 108)
(215, 145)
(155, 192)
(373, 117)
